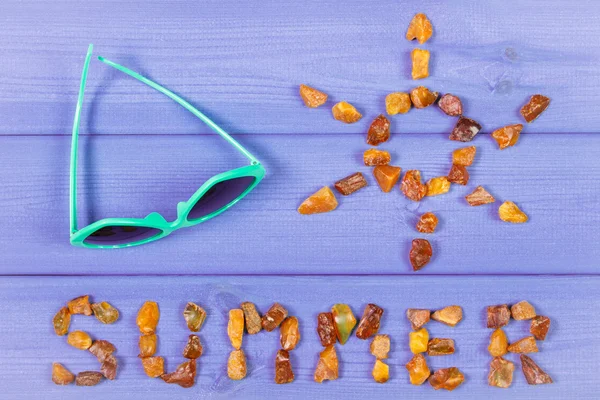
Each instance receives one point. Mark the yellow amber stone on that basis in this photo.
(510, 212)
(235, 327)
(381, 372)
(450, 315)
(420, 63)
(80, 340)
(397, 103)
(418, 341)
(320, 202)
(418, 370)
(327, 368)
(236, 365)
(289, 333)
(498, 343)
(437, 186)
(345, 112)
(148, 317)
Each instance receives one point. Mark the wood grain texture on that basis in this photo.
(242, 63)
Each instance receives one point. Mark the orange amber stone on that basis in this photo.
(326, 329)
(440, 347)
(458, 174)
(289, 333)
(479, 197)
(420, 253)
(105, 313)
(419, 28)
(381, 372)
(327, 368)
(350, 184)
(147, 345)
(346, 112)
(102, 349)
(397, 103)
(427, 223)
(312, 97)
(464, 156)
(537, 104)
(539, 327)
(411, 185)
(80, 340)
(370, 321)
(386, 176)
(153, 366)
(184, 375)
(418, 341)
(422, 97)
(507, 136)
(235, 328)
(525, 345)
(283, 368)
(236, 365)
(62, 321)
(379, 131)
(274, 317)
(465, 129)
(447, 378)
(498, 316)
(148, 317)
(420, 63)
(380, 346)
(61, 375)
(418, 370)
(522, 311)
(193, 348)
(376, 157)
(80, 305)
(533, 373)
(450, 315)
(510, 212)
(450, 105)
(437, 186)
(501, 373)
(320, 202)
(498, 343)
(418, 317)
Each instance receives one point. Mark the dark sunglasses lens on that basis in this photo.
(220, 195)
(116, 234)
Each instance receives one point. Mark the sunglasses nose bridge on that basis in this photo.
(181, 208)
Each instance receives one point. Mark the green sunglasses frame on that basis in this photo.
(154, 220)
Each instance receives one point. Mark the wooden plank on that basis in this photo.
(241, 63)
(569, 354)
(552, 177)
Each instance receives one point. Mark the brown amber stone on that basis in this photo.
(312, 97)
(105, 313)
(507, 136)
(184, 375)
(350, 184)
(397, 103)
(235, 328)
(418, 341)
(80, 340)
(464, 156)
(326, 329)
(327, 368)
(427, 223)
(536, 105)
(283, 368)
(525, 345)
(533, 373)
(274, 317)
(369, 323)
(80, 305)
(420, 253)
(539, 327)
(419, 28)
(501, 373)
(346, 112)
(498, 316)
(450, 315)
(465, 130)
(440, 347)
(147, 345)
(344, 321)
(62, 321)
(418, 370)
(458, 174)
(450, 105)
(498, 343)
(381, 372)
(420, 63)
(522, 311)
(376, 157)
(418, 317)
(194, 316)
(411, 185)
(236, 365)
(251, 318)
(147, 317)
(386, 176)
(379, 131)
(108, 367)
(437, 186)
(88, 378)
(446, 378)
(289, 333)
(422, 97)
(102, 349)
(153, 366)
(380, 346)
(479, 197)
(193, 348)
(61, 375)
(320, 202)
(510, 212)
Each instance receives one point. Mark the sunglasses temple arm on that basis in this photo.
(185, 105)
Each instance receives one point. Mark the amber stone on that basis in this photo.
(437, 186)
(380, 346)
(450, 315)
(80, 340)
(194, 316)
(427, 223)
(376, 157)
(147, 317)
(440, 347)
(184, 375)
(418, 317)
(479, 197)
(61, 375)
(422, 97)
(62, 321)
(326, 329)
(193, 348)
(533, 373)
(312, 97)
(283, 368)
(252, 318)
(537, 104)
(420, 28)
(344, 321)
(369, 323)
(525, 345)
(420, 63)
(274, 317)
(458, 174)
(507, 136)
(464, 156)
(381, 372)
(411, 185)
(420, 253)
(320, 202)
(522, 311)
(510, 212)
(501, 373)
(80, 305)
(327, 367)
(539, 327)
(450, 105)
(498, 316)
(346, 112)
(397, 103)
(498, 343)
(289, 333)
(418, 370)
(446, 378)
(153, 366)
(350, 184)
(379, 131)
(235, 328)
(105, 313)
(465, 130)
(108, 367)
(102, 349)
(147, 345)
(418, 341)
(386, 176)
(88, 378)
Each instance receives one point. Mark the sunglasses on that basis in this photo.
(216, 195)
